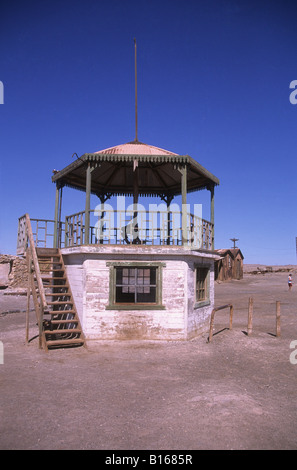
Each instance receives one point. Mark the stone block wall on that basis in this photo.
(14, 271)
(88, 271)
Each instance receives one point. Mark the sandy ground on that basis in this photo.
(237, 392)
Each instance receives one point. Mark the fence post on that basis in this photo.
(214, 310)
(250, 316)
(278, 319)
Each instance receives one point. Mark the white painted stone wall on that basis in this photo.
(88, 274)
(199, 318)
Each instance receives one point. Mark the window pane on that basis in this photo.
(201, 283)
(147, 297)
(119, 275)
(153, 276)
(124, 297)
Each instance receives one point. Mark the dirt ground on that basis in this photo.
(237, 392)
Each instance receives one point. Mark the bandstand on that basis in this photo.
(131, 272)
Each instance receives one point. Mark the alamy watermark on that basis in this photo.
(293, 355)
(161, 221)
(1, 93)
(293, 94)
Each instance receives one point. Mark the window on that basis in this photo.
(135, 285)
(202, 286)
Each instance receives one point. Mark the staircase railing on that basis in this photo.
(33, 266)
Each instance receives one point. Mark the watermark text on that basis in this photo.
(293, 355)
(1, 93)
(293, 94)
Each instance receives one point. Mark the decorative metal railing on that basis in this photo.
(139, 227)
(120, 227)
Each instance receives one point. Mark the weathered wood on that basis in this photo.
(22, 238)
(213, 316)
(278, 326)
(28, 294)
(250, 316)
(35, 261)
(56, 217)
(212, 215)
(87, 209)
(183, 171)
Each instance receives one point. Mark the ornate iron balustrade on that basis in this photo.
(120, 227)
(114, 227)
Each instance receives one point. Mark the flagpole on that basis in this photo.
(136, 125)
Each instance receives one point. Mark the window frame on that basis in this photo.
(206, 301)
(113, 305)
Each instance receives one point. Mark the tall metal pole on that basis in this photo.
(136, 125)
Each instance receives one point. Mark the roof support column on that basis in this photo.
(57, 222)
(135, 200)
(88, 203)
(183, 171)
(212, 214)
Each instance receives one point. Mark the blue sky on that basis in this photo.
(213, 83)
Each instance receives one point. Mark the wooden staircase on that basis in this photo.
(56, 314)
(61, 325)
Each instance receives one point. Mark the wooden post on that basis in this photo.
(56, 217)
(59, 219)
(231, 317)
(212, 215)
(168, 202)
(87, 209)
(250, 316)
(184, 205)
(28, 259)
(278, 331)
(214, 310)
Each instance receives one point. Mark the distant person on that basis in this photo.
(290, 283)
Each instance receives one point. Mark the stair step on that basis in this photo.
(56, 286)
(54, 278)
(59, 312)
(62, 331)
(57, 322)
(61, 270)
(60, 302)
(60, 342)
(47, 251)
(58, 294)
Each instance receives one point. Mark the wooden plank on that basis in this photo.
(35, 260)
(28, 294)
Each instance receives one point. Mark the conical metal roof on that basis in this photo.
(135, 148)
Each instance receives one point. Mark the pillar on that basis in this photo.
(58, 207)
(183, 171)
(212, 214)
(88, 203)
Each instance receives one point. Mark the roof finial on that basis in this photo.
(136, 130)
